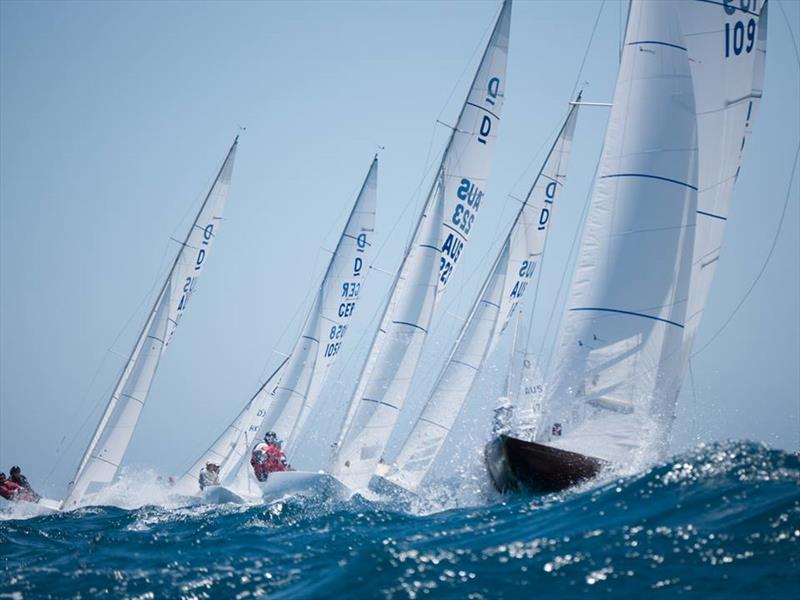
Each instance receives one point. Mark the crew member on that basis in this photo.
(14, 492)
(268, 457)
(209, 475)
(22, 481)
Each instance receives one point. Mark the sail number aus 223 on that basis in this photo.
(469, 196)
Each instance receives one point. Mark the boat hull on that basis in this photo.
(219, 494)
(24, 509)
(513, 463)
(307, 484)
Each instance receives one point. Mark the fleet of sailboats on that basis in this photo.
(687, 93)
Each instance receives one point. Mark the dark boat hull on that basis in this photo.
(513, 463)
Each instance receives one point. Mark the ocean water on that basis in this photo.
(721, 520)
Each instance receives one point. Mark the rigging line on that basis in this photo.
(780, 221)
(426, 170)
(161, 271)
(763, 265)
(694, 404)
(415, 194)
(541, 262)
(576, 235)
(70, 439)
(588, 46)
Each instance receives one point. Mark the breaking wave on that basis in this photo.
(722, 518)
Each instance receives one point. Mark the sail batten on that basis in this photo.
(110, 440)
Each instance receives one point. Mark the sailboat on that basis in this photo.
(514, 268)
(687, 92)
(110, 440)
(285, 401)
(439, 239)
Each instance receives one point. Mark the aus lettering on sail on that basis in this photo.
(528, 266)
(468, 193)
(350, 290)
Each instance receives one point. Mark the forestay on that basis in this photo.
(618, 362)
(727, 43)
(110, 440)
(456, 196)
(503, 289)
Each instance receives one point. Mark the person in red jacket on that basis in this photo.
(14, 492)
(18, 478)
(268, 457)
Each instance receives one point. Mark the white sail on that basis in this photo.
(617, 361)
(111, 438)
(234, 442)
(404, 332)
(493, 309)
(727, 45)
(318, 346)
(518, 409)
(284, 403)
(456, 195)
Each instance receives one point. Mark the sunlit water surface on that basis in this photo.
(720, 520)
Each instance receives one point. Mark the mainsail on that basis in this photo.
(727, 46)
(503, 289)
(618, 361)
(111, 438)
(454, 202)
(285, 400)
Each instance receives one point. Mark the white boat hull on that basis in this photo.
(218, 494)
(26, 510)
(307, 484)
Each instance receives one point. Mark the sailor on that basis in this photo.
(18, 478)
(209, 475)
(268, 457)
(14, 492)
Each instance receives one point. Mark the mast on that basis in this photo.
(107, 447)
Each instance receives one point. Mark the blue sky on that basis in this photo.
(115, 116)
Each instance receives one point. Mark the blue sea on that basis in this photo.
(721, 520)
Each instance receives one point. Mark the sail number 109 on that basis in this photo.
(735, 37)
